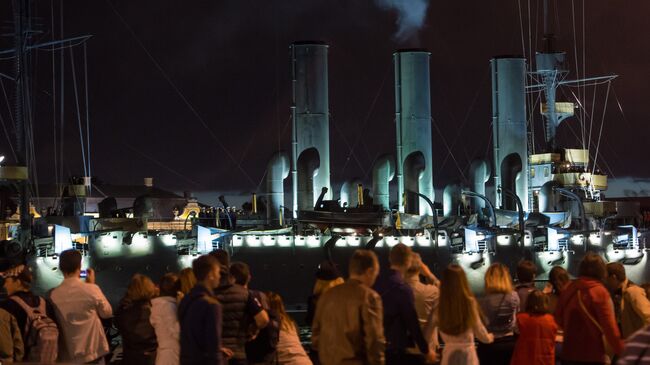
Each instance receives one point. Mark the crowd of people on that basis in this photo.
(208, 314)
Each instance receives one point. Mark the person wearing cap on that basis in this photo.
(18, 282)
(327, 277)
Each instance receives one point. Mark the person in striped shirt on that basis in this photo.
(637, 349)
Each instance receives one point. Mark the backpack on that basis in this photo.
(263, 347)
(42, 339)
(503, 317)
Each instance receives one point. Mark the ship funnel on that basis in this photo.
(383, 171)
(349, 195)
(277, 171)
(510, 138)
(451, 200)
(479, 174)
(413, 123)
(549, 200)
(310, 154)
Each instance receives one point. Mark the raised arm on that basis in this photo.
(103, 307)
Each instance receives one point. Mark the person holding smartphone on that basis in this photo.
(79, 306)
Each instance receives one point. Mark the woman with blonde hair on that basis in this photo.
(499, 306)
(289, 350)
(164, 319)
(458, 319)
(186, 280)
(327, 277)
(133, 321)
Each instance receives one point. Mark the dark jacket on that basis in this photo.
(263, 348)
(401, 325)
(348, 326)
(138, 335)
(200, 319)
(239, 309)
(17, 311)
(311, 309)
(582, 339)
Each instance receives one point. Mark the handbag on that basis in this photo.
(609, 350)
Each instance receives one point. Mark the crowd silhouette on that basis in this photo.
(404, 314)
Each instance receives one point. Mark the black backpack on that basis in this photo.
(263, 347)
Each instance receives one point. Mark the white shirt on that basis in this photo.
(426, 305)
(78, 306)
(460, 349)
(290, 351)
(164, 320)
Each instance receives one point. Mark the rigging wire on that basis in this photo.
(11, 117)
(30, 159)
(61, 104)
(54, 135)
(444, 142)
(591, 118)
(521, 28)
(530, 37)
(164, 166)
(467, 115)
(575, 56)
(76, 99)
(347, 144)
(584, 60)
(11, 146)
(578, 116)
(180, 94)
(366, 119)
(602, 123)
(87, 110)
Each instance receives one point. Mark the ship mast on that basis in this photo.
(551, 71)
(22, 114)
(550, 74)
(22, 25)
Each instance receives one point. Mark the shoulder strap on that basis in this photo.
(498, 308)
(41, 306)
(591, 318)
(22, 304)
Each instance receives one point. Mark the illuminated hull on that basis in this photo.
(287, 263)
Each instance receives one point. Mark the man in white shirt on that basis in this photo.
(631, 305)
(426, 298)
(78, 306)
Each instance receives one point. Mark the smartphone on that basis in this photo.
(84, 274)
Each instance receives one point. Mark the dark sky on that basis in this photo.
(229, 59)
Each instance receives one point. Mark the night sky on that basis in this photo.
(229, 59)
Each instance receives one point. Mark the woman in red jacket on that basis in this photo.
(537, 330)
(586, 314)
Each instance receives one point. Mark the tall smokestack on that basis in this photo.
(310, 153)
(277, 171)
(413, 123)
(509, 130)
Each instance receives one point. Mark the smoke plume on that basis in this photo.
(410, 16)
